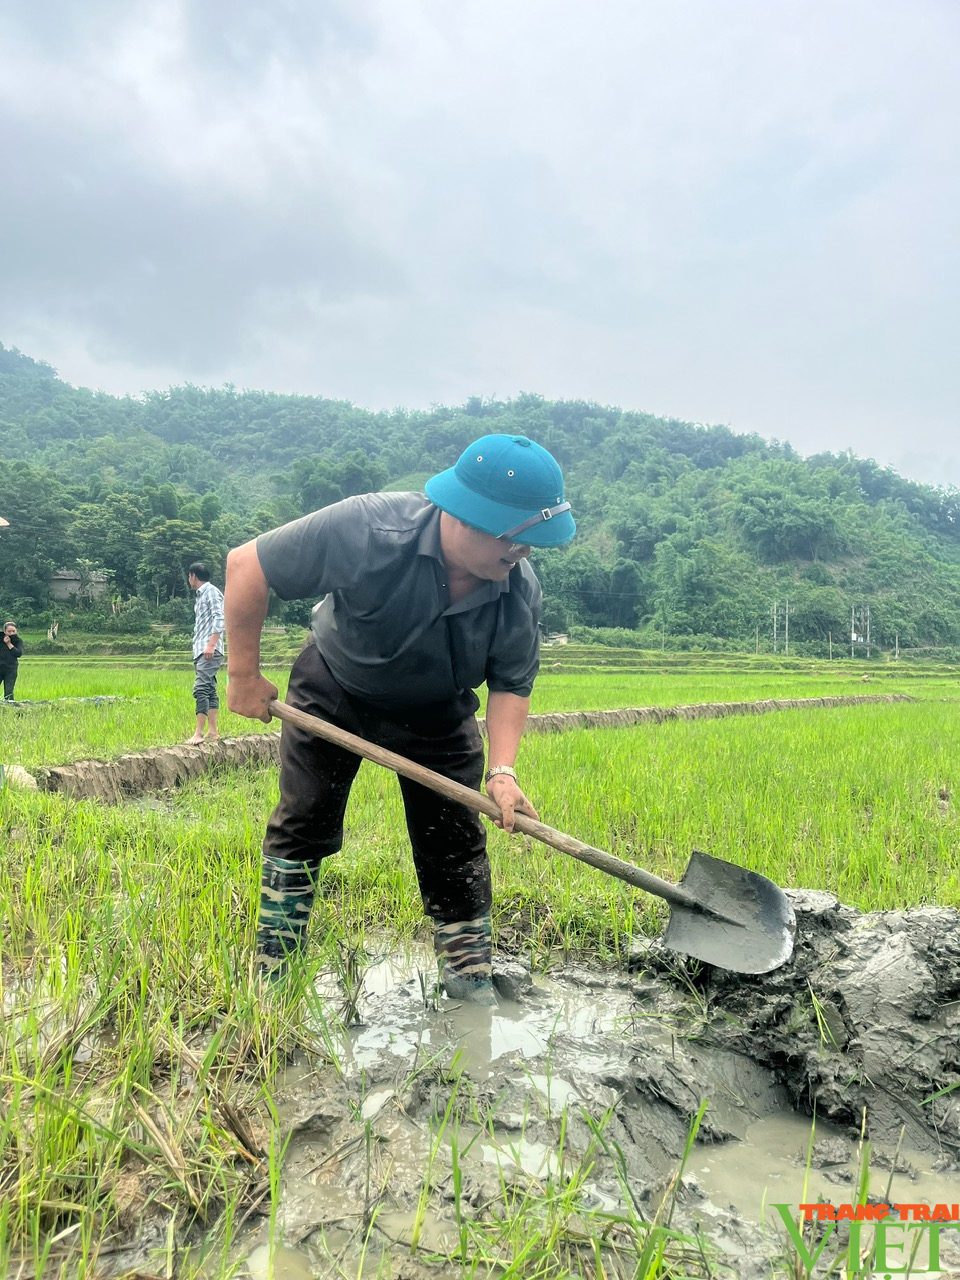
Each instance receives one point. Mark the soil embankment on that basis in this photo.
(162, 768)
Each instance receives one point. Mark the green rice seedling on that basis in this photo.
(827, 1038)
(274, 1165)
(541, 1226)
(349, 962)
(794, 1262)
(426, 1188)
(456, 1173)
(670, 1199)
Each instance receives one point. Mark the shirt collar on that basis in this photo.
(428, 544)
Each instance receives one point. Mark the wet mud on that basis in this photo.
(163, 768)
(591, 1083)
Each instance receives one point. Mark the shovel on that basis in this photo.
(720, 913)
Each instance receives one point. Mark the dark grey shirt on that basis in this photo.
(385, 626)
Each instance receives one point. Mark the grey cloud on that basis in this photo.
(160, 271)
(243, 37)
(741, 214)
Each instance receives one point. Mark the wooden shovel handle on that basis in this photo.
(481, 803)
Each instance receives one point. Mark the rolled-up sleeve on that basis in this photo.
(515, 654)
(321, 552)
(217, 623)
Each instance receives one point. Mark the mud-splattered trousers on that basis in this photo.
(448, 841)
(205, 683)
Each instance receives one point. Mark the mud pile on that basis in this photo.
(597, 1080)
(865, 1018)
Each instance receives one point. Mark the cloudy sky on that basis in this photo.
(744, 211)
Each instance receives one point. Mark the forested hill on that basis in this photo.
(684, 530)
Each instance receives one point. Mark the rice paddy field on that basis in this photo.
(138, 1058)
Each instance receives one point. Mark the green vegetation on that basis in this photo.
(688, 534)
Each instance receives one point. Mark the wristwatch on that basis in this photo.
(499, 770)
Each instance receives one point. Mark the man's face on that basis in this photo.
(481, 554)
(193, 582)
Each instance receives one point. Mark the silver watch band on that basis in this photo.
(499, 770)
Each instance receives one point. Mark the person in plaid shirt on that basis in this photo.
(208, 634)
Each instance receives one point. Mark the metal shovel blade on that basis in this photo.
(743, 921)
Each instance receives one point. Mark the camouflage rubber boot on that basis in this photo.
(463, 950)
(287, 890)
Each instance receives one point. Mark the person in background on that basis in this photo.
(208, 633)
(425, 598)
(11, 651)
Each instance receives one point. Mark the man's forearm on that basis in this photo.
(506, 717)
(246, 596)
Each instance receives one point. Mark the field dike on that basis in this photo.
(578, 1097)
(162, 768)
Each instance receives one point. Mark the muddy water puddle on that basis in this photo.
(33, 1010)
(583, 1089)
(770, 1167)
(400, 1029)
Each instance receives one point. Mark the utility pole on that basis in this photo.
(830, 645)
(758, 637)
(896, 648)
(781, 612)
(860, 628)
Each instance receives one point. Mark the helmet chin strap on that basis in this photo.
(546, 514)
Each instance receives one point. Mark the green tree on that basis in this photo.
(626, 586)
(109, 533)
(210, 509)
(34, 504)
(169, 547)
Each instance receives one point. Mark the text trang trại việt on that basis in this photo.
(896, 1228)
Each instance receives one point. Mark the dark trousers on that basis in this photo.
(9, 680)
(449, 842)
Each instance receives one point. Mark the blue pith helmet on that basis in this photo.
(508, 486)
